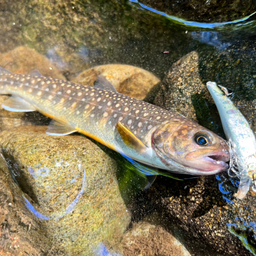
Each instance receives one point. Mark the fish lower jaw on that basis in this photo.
(214, 163)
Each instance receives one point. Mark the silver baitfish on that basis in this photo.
(241, 138)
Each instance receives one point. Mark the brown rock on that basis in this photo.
(181, 82)
(23, 59)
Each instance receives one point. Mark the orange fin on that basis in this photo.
(130, 139)
(104, 84)
(56, 128)
(17, 104)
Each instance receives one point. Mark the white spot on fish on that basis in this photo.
(105, 114)
(79, 94)
(68, 91)
(39, 93)
(139, 124)
(126, 109)
(99, 99)
(129, 122)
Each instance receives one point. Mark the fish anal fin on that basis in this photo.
(35, 72)
(130, 139)
(17, 104)
(104, 84)
(57, 128)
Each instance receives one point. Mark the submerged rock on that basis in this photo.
(147, 239)
(71, 187)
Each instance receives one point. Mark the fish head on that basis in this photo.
(191, 147)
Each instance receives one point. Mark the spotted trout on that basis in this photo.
(241, 138)
(138, 130)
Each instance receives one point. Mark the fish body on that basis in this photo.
(241, 137)
(138, 130)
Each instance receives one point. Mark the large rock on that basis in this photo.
(71, 183)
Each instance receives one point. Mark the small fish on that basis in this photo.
(137, 130)
(241, 138)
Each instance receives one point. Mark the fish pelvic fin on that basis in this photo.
(17, 104)
(57, 128)
(104, 84)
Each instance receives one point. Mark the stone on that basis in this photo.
(70, 184)
(147, 239)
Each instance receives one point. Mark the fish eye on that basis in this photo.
(202, 140)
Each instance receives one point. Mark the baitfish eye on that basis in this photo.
(202, 140)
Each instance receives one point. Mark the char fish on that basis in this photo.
(138, 130)
(241, 138)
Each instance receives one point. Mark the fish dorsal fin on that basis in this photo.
(104, 84)
(130, 139)
(35, 72)
(4, 71)
(56, 128)
(17, 104)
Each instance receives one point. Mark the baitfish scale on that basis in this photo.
(136, 129)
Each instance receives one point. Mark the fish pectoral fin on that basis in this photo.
(57, 128)
(104, 84)
(17, 104)
(35, 72)
(130, 139)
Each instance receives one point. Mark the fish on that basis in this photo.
(139, 131)
(241, 138)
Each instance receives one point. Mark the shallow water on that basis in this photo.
(78, 35)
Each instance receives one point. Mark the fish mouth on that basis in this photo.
(210, 163)
(217, 162)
